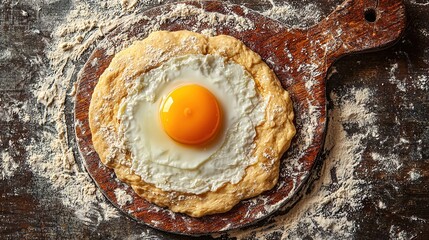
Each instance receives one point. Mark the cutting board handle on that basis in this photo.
(359, 25)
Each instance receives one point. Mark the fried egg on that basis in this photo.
(190, 123)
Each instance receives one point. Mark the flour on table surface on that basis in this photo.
(419, 3)
(8, 166)
(324, 207)
(12, 110)
(396, 233)
(381, 205)
(338, 192)
(419, 82)
(414, 175)
(400, 84)
(390, 162)
(5, 54)
(422, 82)
(51, 154)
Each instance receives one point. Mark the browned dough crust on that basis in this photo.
(272, 140)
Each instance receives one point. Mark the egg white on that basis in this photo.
(172, 166)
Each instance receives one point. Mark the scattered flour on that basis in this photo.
(422, 82)
(390, 163)
(419, 3)
(400, 84)
(302, 16)
(11, 110)
(396, 233)
(381, 205)
(414, 175)
(324, 207)
(51, 154)
(8, 166)
(122, 197)
(5, 55)
(75, 186)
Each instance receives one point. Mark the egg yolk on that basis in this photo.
(191, 115)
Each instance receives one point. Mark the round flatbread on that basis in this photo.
(273, 136)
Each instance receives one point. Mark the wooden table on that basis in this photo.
(29, 208)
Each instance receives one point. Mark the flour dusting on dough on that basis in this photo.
(270, 114)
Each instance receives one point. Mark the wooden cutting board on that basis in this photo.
(300, 59)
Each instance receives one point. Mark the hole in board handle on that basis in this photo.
(370, 15)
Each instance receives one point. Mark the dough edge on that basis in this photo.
(273, 138)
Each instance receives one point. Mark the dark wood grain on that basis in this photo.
(349, 29)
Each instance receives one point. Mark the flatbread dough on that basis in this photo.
(272, 140)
